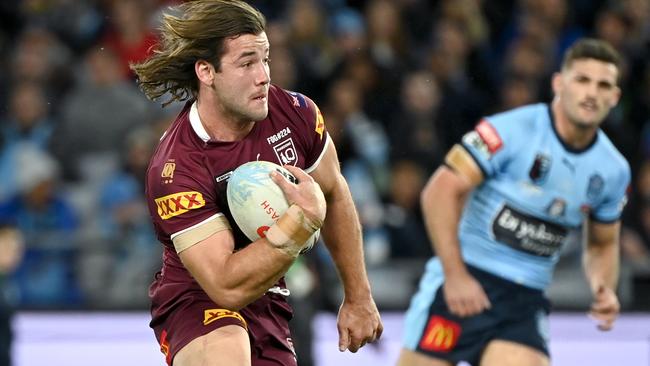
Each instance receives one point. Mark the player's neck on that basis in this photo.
(220, 125)
(576, 136)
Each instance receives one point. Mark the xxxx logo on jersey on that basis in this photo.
(178, 203)
(211, 315)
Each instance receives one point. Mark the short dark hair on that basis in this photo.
(591, 48)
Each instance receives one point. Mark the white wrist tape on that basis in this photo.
(292, 230)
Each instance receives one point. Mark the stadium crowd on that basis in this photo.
(398, 83)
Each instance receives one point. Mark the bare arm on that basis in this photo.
(359, 320)
(443, 199)
(442, 202)
(601, 264)
(233, 279)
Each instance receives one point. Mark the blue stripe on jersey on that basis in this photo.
(299, 98)
(418, 312)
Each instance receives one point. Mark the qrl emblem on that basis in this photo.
(441, 335)
(286, 152)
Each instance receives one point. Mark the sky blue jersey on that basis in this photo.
(536, 189)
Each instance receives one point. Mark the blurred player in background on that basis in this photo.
(219, 299)
(499, 211)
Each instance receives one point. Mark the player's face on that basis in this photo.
(587, 91)
(242, 84)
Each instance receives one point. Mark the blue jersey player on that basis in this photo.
(499, 211)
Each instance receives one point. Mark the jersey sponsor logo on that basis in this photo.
(286, 152)
(541, 166)
(595, 187)
(527, 233)
(223, 177)
(489, 135)
(556, 208)
(441, 335)
(320, 123)
(473, 139)
(167, 173)
(178, 203)
(278, 135)
(212, 315)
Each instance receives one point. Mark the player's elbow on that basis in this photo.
(230, 299)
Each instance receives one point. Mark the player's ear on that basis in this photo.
(204, 71)
(556, 82)
(615, 97)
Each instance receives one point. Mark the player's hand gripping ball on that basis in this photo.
(256, 202)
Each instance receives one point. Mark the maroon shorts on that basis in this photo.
(266, 319)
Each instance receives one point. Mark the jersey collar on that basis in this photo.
(567, 147)
(197, 126)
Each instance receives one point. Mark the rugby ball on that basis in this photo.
(256, 202)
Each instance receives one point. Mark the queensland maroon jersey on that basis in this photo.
(186, 187)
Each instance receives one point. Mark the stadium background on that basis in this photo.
(398, 83)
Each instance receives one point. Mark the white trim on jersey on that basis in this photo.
(197, 126)
(213, 217)
(320, 157)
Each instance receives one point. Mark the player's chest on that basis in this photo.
(561, 184)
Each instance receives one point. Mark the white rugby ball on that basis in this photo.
(256, 202)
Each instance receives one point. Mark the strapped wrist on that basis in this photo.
(292, 230)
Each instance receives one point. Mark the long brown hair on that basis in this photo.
(198, 33)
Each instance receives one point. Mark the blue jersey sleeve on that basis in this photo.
(495, 140)
(611, 208)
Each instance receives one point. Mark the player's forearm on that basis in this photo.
(442, 206)
(342, 236)
(247, 274)
(601, 263)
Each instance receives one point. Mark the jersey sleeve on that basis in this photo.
(182, 204)
(611, 207)
(313, 131)
(491, 143)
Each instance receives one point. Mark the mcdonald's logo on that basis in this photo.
(441, 335)
(164, 347)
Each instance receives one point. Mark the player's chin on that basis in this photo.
(259, 113)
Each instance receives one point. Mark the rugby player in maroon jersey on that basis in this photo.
(220, 299)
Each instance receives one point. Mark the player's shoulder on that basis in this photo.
(287, 99)
(524, 118)
(607, 151)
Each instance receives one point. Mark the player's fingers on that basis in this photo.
(606, 325)
(344, 339)
(282, 181)
(298, 173)
(378, 331)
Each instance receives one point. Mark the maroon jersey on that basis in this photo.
(186, 190)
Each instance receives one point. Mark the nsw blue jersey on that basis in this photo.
(536, 189)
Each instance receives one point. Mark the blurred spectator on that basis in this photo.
(403, 217)
(117, 267)
(77, 22)
(364, 162)
(312, 49)
(46, 277)
(11, 252)
(39, 56)
(97, 115)
(413, 130)
(129, 32)
(28, 122)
